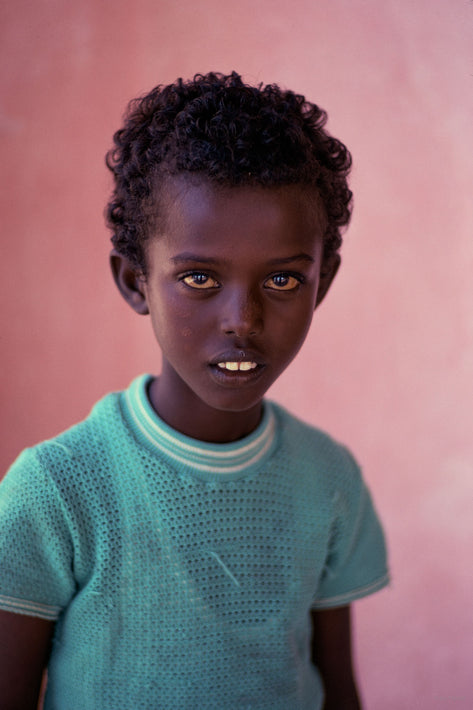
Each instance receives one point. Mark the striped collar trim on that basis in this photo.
(199, 455)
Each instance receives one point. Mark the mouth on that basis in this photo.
(237, 368)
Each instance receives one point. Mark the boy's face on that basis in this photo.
(231, 288)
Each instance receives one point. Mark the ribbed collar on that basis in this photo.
(198, 455)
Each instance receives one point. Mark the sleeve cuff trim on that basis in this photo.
(347, 597)
(23, 606)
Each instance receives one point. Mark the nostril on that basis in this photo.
(240, 333)
(241, 316)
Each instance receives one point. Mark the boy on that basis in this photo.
(191, 545)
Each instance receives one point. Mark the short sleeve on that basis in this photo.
(36, 551)
(357, 561)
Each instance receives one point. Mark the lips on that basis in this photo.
(241, 359)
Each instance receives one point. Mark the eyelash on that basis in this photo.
(186, 280)
(195, 285)
(286, 275)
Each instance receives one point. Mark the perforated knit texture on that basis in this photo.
(182, 573)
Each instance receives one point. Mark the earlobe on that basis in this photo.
(130, 282)
(328, 272)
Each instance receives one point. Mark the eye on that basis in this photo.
(200, 280)
(283, 282)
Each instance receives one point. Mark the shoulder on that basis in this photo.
(59, 461)
(68, 484)
(86, 437)
(75, 440)
(310, 447)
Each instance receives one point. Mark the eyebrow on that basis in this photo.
(290, 259)
(188, 256)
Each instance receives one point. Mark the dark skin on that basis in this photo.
(25, 643)
(231, 287)
(235, 277)
(332, 654)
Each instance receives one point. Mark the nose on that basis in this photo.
(242, 313)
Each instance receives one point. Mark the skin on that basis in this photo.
(332, 654)
(25, 643)
(233, 276)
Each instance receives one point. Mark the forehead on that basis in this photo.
(209, 216)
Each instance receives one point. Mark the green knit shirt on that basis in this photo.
(181, 573)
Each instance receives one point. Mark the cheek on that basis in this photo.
(292, 327)
(170, 317)
(291, 339)
(174, 331)
(178, 329)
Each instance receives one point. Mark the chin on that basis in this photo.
(229, 403)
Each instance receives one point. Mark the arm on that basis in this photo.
(331, 653)
(25, 643)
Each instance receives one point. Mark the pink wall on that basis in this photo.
(389, 362)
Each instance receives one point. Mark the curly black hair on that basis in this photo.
(230, 133)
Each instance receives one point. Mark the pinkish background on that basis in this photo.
(388, 366)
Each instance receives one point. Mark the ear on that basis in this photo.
(130, 282)
(328, 272)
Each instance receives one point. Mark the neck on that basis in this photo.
(192, 417)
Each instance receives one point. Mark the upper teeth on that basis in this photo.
(237, 365)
